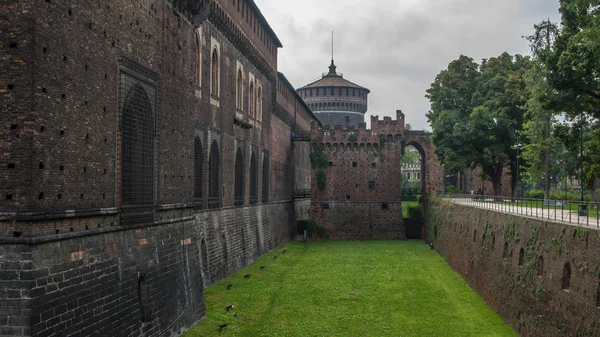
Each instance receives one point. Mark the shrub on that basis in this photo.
(353, 138)
(313, 227)
(451, 189)
(321, 180)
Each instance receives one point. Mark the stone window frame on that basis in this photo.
(259, 101)
(251, 96)
(239, 89)
(198, 59)
(215, 88)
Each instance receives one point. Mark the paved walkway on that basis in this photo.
(550, 213)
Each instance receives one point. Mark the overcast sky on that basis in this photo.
(397, 47)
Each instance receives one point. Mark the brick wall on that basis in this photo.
(484, 247)
(362, 197)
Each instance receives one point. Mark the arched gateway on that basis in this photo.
(356, 187)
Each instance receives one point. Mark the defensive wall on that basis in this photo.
(541, 277)
(146, 153)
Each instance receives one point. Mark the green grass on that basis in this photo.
(340, 288)
(406, 205)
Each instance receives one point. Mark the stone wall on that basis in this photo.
(89, 282)
(518, 266)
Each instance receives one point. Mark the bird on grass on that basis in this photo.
(229, 286)
(431, 245)
(284, 251)
(274, 257)
(247, 276)
(229, 307)
(221, 327)
(262, 267)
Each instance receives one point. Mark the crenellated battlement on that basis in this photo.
(386, 129)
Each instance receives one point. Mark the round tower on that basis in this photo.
(335, 100)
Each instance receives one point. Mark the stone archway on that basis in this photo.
(432, 172)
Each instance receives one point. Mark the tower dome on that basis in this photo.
(335, 100)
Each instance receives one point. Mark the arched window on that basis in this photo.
(137, 178)
(239, 178)
(198, 160)
(265, 178)
(214, 74)
(251, 103)
(566, 276)
(144, 299)
(240, 90)
(198, 58)
(253, 180)
(259, 104)
(214, 176)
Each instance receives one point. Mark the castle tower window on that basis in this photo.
(239, 178)
(265, 178)
(214, 176)
(198, 58)
(253, 179)
(259, 105)
(252, 103)
(198, 168)
(214, 73)
(372, 185)
(240, 91)
(332, 90)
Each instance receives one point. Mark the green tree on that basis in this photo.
(573, 60)
(476, 112)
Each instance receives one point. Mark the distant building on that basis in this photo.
(335, 100)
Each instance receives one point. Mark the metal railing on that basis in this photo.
(572, 212)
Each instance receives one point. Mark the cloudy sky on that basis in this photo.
(397, 47)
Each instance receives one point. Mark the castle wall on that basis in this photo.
(526, 289)
(362, 196)
(68, 262)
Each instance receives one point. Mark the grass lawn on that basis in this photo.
(341, 288)
(406, 205)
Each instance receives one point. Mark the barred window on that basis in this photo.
(137, 180)
(253, 180)
(265, 180)
(239, 178)
(198, 154)
(214, 176)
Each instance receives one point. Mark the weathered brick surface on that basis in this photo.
(362, 199)
(526, 293)
(60, 167)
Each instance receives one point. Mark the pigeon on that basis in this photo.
(221, 327)
(262, 267)
(284, 251)
(247, 276)
(229, 286)
(229, 307)
(431, 245)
